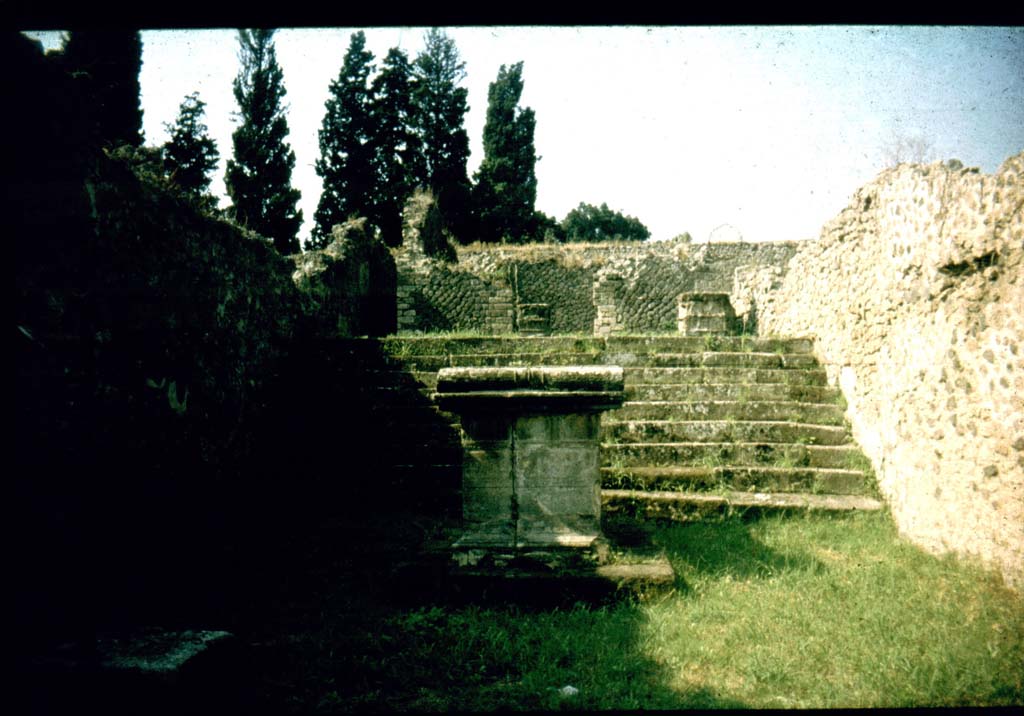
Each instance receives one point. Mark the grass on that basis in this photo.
(800, 612)
(787, 456)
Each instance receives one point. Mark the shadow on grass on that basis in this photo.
(334, 622)
(727, 547)
(359, 642)
(297, 559)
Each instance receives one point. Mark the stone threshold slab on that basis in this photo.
(602, 583)
(614, 499)
(538, 576)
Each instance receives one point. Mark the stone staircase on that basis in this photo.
(709, 423)
(748, 423)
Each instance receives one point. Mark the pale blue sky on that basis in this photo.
(768, 129)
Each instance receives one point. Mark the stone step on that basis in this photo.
(699, 344)
(724, 359)
(650, 376)
(437, 362)
(730, 454)
(721, 431)
(683, 506)
(655, 360)
(748, 479)
(404, 346)
(742, 392)
(407, 388)
(594, 357)
(677, 376)
(813, 413)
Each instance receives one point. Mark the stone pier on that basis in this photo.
(703, 313)
(531, 472)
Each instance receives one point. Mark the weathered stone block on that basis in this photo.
(556, 464)
(530, 454)
(489, 466)
(554, 504)
(705, 314)
(487, 501)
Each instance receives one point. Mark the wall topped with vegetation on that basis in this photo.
(574, 280)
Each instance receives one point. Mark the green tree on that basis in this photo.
(346, 162)
(439, 109)
(258, 178)
(506, 183)
(398, 158)
(111, 60)
(190, 154)
(592, 223)
(547, 228)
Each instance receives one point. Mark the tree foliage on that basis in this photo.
(547, 228)
(398, 158)
(190, 154)
(258, 178)
(111, 61)
(506, 187)
(591, 223)
(346, 163)
(439, 109)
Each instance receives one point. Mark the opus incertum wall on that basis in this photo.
(915, 297)
(587, 288)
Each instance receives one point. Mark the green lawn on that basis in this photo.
(797, 612)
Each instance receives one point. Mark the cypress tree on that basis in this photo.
(398, 160)
(439, 109)
(111, 60)
(506, 188)
(258, 178)
(346, 162)
(190, 154)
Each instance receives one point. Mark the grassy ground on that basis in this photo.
(804, 612)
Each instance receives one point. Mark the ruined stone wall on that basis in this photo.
(915, 294)
(174, 380)
(437, 295)
(349, 285)
(588, 287)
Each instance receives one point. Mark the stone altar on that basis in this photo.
(530, 477)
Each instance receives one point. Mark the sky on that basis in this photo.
(762, 133)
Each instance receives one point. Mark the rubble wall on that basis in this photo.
(915, 296)
(480, 290)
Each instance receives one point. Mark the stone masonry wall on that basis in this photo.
(589, 287)
(175, 380)
(918, 312)
(435, 295)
